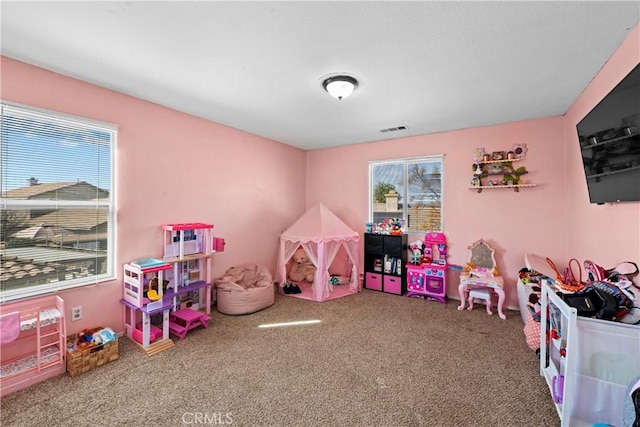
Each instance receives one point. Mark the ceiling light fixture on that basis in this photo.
(340, 86)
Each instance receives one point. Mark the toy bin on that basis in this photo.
(82, 360)
(373, 281)
(393, 285)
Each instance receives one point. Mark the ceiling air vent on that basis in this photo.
(395, 129)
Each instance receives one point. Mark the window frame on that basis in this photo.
(405, 162)
(9, 204)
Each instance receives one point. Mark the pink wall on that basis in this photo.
(513, 223)
(173, 167)
(553, 219)
(610, 233)
(252, 199)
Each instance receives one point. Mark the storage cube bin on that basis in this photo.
(373, 281)
(393, 285)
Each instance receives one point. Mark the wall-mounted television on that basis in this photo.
(609, 139)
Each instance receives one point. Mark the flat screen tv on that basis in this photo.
(610, 144)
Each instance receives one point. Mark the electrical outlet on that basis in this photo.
(76, 313)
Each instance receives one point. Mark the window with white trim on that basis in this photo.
(407, 189)
(57, 201)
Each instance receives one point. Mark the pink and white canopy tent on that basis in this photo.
(322, 234)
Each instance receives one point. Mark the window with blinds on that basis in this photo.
(57, 202)
(407, 189)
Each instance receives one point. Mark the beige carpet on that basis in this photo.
(374, 360)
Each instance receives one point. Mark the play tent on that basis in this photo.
(322, 234)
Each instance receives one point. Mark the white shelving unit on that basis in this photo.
(588, 364)
(515, 187)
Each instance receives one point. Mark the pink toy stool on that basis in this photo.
(483, 294)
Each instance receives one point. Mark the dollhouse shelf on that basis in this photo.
(149, 310)
(167, 298)
(188, 257)
(516, 188)
(170, 293)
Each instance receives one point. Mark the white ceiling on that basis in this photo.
(256, 66)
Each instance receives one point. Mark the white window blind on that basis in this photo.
(57, 202)
(408, 189)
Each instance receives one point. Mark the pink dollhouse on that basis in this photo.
(426, 276)
(175, 288)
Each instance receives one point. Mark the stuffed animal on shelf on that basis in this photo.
(302, 269)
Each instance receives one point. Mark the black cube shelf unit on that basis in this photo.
(385, 257)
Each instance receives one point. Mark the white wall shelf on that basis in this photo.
(503, 167)
(516, 188)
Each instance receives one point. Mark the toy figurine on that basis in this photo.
(396, 229)
(416, 252)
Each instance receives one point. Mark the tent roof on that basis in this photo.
(317, 224)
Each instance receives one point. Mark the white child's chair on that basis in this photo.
(480, 294)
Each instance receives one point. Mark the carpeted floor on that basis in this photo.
(373, 360)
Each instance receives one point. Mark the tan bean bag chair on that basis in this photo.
(244, 289)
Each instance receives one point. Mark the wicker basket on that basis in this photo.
(81, 361)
